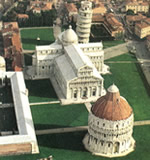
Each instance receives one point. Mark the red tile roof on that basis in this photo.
(12, 43)
(112, 107)
(71, 7)
(21, 16)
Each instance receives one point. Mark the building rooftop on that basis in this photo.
(12, 43)
(134, 18)
(112, 106)
(99, 9)
(143, 24)
(136, 3)
(21, 16)
(71, 7)
(18, 117)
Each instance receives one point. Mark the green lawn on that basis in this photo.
(57, 116)
(69, 146)
(29, 37)
(133, 86)
(8, 119)
(108, 44)
(28, 59)
(123, 57)
(40, 91)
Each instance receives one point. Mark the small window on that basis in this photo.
(43, 67)
(75, 95)
(94, 92)
(103, 124)
(108, 144)
(104, 135)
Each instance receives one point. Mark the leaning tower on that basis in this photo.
(84, 20)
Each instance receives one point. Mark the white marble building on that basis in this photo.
(110, 126)
(74, 69)
(2, 64)
(22, 141)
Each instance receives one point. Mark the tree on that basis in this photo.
(130, 12)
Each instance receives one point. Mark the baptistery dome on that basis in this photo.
(110, 126)
(112, 106)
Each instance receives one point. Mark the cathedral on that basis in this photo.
(74, 68)
(110, 126)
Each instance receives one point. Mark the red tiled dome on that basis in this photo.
(112, 106)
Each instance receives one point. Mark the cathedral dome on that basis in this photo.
(69, 36)
(112, 106)
(2, 61)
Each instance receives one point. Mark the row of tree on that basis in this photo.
(45, 18)
(39, 19)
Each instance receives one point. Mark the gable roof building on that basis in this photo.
(74, 69)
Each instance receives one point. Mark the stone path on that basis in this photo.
(61, 130)
(122, 62)
(141, 123)
(116, 50)
(143, 56)
(88, 106)
(80, 128)
(41, 103)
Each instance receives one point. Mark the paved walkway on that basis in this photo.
(61, 130)
(143, 57)
(142, 123)
(88, 106)
(80, 128)
(122, 62)
(27, 51)
(34, 28)
(41, 103)
(116, 50)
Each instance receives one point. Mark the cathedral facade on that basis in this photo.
(74, 69)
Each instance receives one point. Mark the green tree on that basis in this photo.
(130, 12)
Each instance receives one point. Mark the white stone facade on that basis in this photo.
(84, 21)
(26, 131)
(109, 138)
(74, 69)
(2, 64)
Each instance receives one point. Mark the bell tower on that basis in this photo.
(84, 20)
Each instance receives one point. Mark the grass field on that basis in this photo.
(29, 37)
(133, 86)
(123, 57)
(28, 59)
(108, 44)
(40, 90)
(57, 116)
(69, 146)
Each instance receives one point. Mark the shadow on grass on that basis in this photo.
(40, 88)
(145, 83)
(65, 141)
(35, 41)
(48, 126)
